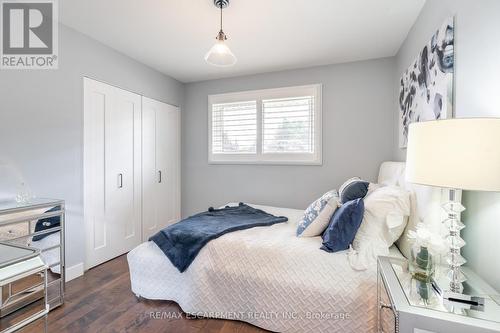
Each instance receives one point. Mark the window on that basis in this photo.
(288, 125)
(234, 128)
(272, 126)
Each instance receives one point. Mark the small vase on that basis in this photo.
(23, 195)
(421, 264)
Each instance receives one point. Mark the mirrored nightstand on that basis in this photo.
(407, 305)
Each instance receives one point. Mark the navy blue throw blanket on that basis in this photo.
(181, 242)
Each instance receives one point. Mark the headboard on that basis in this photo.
(426, 202)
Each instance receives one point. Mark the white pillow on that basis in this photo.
(386, 213)
(317, 216)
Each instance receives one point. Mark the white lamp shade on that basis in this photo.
(455, 153)
(220, 55)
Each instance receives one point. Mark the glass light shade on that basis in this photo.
(220, 55)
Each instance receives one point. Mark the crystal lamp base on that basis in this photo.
(453, 209)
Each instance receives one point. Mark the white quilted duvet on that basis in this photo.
(265, 276)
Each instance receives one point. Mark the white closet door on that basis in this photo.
(112, 171)
(168, 162)
(123, 171)
(149, 171)
(161, 166)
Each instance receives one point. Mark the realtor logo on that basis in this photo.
(29, 34)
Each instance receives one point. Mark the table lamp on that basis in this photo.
(458, 154)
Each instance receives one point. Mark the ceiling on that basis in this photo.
(265, 35)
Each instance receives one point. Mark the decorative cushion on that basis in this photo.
(343, 226)
(47, 223)
(352, 189)
(386, 213)
(317, 215)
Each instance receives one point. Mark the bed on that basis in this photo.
(268, 277)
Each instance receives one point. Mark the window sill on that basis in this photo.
(298, 163)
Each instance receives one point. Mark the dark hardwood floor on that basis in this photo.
(101, 301)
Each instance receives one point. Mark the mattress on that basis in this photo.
(265, 276)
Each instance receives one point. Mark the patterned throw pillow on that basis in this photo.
(317, 215)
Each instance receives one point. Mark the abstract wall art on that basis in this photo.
(426, 87)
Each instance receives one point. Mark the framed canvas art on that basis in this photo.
(426, 87)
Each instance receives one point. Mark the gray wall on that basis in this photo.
(41, 120)
(357, 136)
(41, 124)
(477, 83)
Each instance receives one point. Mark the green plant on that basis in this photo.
(423, 261)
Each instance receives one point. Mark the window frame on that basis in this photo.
(270, 158)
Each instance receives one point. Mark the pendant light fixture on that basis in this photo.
(220, 55)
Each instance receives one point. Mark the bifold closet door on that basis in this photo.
(112, 171)
(160, 165)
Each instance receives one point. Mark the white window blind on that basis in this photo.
(288, 125)
(270, 126)
(234, 128)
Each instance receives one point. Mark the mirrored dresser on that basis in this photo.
(38, 224)
(409, 306)
(23, 289)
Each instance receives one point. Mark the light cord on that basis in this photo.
(220, 5)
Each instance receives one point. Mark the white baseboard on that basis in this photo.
(74, 271)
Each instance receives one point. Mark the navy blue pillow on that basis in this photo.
(353, 189)
(47, 223)
(343, 226)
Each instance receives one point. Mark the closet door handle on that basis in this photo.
(159, 176)
(120, 180)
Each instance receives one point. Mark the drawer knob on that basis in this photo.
(385, 306)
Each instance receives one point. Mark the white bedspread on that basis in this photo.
(265, 276)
